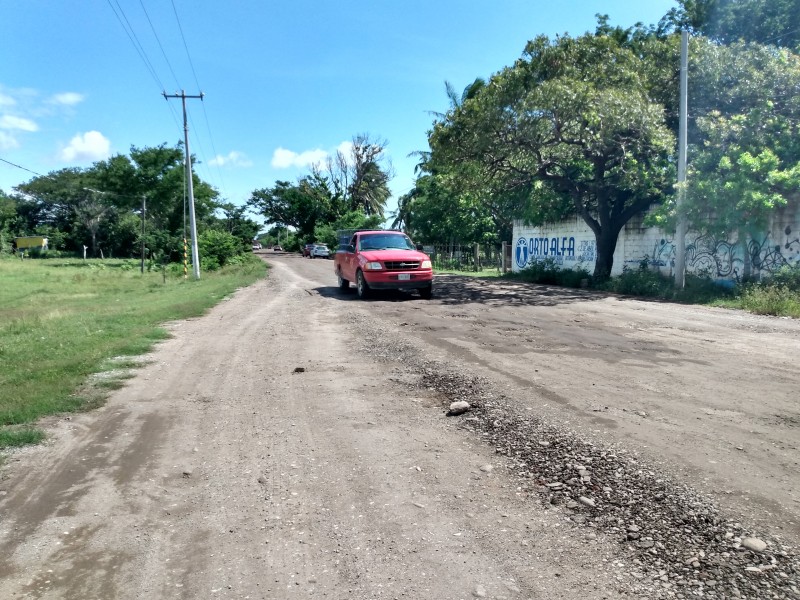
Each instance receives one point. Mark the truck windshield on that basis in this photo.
(386, 242)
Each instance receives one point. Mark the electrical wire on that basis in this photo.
(128, 28)
(158, 40)
(199, 87)
(23, 168)
(126, 25)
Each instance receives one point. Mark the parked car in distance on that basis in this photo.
(307, 249)
(256, 246)
(320, 251)
(277, 248)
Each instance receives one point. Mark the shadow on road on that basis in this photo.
(458, 289)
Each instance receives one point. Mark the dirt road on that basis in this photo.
(293, 443)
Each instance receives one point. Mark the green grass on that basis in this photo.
(12, 437)
(64, 320)
(482, 273)
(769, 299)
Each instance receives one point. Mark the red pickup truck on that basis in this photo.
(381, 260)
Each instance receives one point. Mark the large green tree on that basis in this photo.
(744, 153)
(300, 205)
(572, 129)
(101, 206)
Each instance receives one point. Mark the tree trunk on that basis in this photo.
(747, 264)
(606, 244)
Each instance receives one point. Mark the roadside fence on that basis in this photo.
(469, 257)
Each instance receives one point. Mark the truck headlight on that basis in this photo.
(373, 266)
(426, 264)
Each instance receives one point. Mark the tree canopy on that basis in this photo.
(568, 129)
(101, 207)
(774, 22)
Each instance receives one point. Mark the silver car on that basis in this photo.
(320, 251)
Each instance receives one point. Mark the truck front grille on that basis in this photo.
(401, 265)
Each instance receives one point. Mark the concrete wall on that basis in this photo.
(571, 244)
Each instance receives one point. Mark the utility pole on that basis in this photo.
(192, 222)
(144, 212)
(680, 231)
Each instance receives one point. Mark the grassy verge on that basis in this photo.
(481, 273)
(62, 322)
(780, 296)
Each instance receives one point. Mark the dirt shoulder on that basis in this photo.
(293, 444)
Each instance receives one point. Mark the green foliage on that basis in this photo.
(436, 210)
(569, 128)
(787, 276)
(641, 281)
(62, 321)
(217, 248)
(746, 159)
(101, 207)
(14, 437)
(326, 233)
(356, 182)
(764, 21)
(771, 299)
(548, 272)
(301, 205)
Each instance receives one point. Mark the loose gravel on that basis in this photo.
(680, 543)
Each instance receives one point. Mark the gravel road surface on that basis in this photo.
(295, 442)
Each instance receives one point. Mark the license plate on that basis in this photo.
(403, 277)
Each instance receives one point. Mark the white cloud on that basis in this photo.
(7, 142)
(346, 148)
(284, 159)
(234, 159)
(11, 122)
(92, 145)
(67, 99)
(6, 100)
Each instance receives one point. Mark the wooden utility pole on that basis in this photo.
(192, 222)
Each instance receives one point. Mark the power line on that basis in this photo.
(23, 168)
(163, 53)
(199, 87)
(128, 28)
(186, 47)
(126, 25)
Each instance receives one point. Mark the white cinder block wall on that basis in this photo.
(571, 244)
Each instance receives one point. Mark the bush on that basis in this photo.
(547, 272)
(641, 282)
(787, 276)
(770, 299)
(217, 248)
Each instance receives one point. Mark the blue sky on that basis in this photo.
(284, 83)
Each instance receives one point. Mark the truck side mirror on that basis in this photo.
(419, 247)
(351, 248)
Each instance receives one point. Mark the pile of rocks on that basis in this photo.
(681, 544)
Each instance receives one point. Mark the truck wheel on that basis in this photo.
(426, 293)
(344, 285)
(362, 288)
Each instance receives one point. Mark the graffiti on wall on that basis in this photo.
(709, 256)
(570, 244)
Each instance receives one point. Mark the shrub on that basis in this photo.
(546, 271)
(640, 282)
(788, 276)
(217, 248)
(771, 299)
